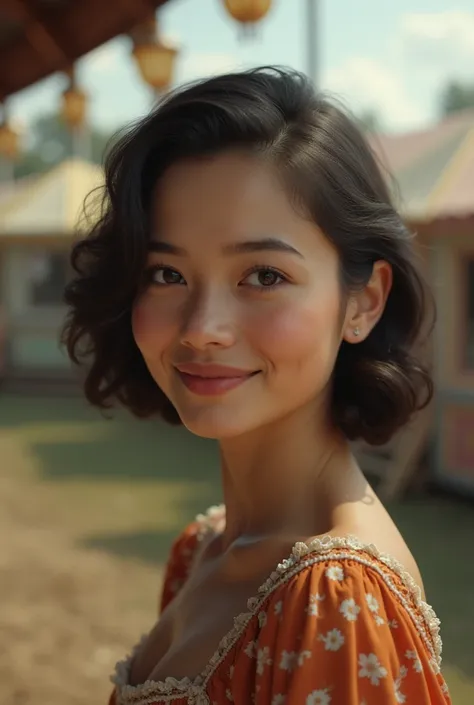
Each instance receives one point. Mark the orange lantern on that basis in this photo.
(247, 11)
(74, 104)
(74, 107)
(155, 58)
(9, 142)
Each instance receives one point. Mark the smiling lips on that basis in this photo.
(211, 380)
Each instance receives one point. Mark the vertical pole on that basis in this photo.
(312, 48)
(76, 142)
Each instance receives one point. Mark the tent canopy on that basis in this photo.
(51, 204)
(433, 168)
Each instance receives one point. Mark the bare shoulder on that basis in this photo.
(372, 525)
(388, 540)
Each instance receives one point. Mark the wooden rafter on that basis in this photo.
(37, 33)
(51, 36)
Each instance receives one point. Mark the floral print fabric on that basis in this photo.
(334, 625)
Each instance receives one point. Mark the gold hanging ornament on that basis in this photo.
(248, 12)
(155, 58)
(9, 142)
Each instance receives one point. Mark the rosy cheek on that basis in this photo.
(151, 326)
(294, 332)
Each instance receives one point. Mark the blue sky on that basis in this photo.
(390, 56)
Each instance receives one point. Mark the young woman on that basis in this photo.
(250, 279)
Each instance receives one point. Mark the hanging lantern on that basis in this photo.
(247, 12)
(155, 58)
(9, 142)
(74, 104)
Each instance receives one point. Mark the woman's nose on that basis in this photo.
(208, 322)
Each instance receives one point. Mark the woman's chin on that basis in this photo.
(215, 424)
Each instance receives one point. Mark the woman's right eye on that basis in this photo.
(164, 276)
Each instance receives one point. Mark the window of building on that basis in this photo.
(48, 275)
(470, 315)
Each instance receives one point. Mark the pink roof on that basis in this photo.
(434, 168)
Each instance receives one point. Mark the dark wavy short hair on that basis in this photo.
(329, 171)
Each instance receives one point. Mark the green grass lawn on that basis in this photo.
(127, 487)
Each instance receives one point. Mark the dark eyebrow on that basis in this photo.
(165, 248)
(268, 244)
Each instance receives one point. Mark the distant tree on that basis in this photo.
(456, 96)
(370, 121)
(51, 142)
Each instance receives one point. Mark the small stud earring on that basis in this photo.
(356, 331)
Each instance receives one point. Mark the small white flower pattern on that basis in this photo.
(413, 656)
(313, 607)
(349, 609)
(372, 602)
(333, 640)
(289, 660)
(319, 697)
(278, 609)
(262, 619)
(279, 699)
(263, 659)
(373, 605)
(335, 572)
(250, 649)
(399, 696)
(371, 668)
(292, 659)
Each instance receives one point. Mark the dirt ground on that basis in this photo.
(67, 613)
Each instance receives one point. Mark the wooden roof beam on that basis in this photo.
(51, 41)
(38, 35)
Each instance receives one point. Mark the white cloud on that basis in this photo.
(425, 50)
(365, 84)
(452, 30)
(438, 45)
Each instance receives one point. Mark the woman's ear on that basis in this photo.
(366, 306)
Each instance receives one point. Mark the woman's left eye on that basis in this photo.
(264, 278)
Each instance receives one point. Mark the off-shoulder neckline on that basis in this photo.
(302, 555)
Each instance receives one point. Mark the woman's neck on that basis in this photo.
(282, 479)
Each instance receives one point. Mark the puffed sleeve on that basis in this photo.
(346, 632)
(179, 564)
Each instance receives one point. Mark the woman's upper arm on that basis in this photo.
(340, 634)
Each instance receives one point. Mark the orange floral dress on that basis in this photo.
(337, 623)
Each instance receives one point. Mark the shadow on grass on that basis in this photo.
(79, 443)
(440, 533)
(150, 546)
(153, 546)
(153, 452)
(17, 411)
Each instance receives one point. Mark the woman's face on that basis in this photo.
(241, 316)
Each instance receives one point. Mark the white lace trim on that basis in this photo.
(423, 617)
